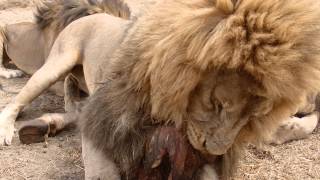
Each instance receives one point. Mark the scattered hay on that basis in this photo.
(295, 161)
(6, 4)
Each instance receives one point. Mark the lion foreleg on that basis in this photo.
(98, 165)
(56, 66)
(295, 128)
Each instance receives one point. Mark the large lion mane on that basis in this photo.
(173, 48)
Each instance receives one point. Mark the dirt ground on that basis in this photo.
(61, 158)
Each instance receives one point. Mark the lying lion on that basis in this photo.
(28, 44)
(222, 72)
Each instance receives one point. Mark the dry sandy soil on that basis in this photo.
(61, 158)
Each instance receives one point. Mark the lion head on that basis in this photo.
(224, 73)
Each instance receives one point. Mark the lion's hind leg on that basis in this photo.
(35, 131)
(4, 72)
(72, 94)
(9, 73)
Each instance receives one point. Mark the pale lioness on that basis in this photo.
(222, 71)
(51, 18)
(28, 44)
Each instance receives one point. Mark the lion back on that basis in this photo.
(59, 13)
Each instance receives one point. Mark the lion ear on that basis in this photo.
(226, 6)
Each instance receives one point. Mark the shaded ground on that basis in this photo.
(61, 158)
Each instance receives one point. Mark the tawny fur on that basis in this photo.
(240, 69)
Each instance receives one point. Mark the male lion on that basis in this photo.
(222, 72)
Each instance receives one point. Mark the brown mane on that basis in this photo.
(59, 13)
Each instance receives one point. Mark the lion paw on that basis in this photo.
(6, 132)
(7, 119)
(295, 128)
(10, 73)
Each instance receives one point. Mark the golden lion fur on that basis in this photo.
(268, 40)
(178, 51)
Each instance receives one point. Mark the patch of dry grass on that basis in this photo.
(6, 4)
(296, 160)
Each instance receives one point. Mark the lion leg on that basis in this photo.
(57, 88)
(295, 128)
(72, 94)
(4, 72)
(97, 165)
(35, 131)
(9, 73)
(56, 66)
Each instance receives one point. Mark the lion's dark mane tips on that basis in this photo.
(113, 122)
(59, 13)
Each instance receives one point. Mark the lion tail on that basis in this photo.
(227, 6)
(59, 13)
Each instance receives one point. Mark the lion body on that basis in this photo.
(28, 44)
(223, 76)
